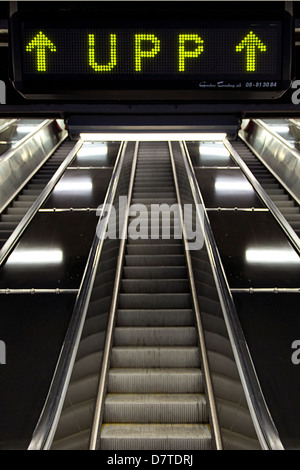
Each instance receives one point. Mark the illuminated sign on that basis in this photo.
(192, 55)
(241, 52)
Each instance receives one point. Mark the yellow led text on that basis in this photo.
(113, 54)
(184, 54)
(140, 53)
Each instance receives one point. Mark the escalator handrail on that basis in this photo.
(45, 429)
(262, 420)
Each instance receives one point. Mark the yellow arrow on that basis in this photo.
(251, 42)
(40, 42)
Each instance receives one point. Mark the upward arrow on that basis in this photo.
(40, 42)
(252, 43)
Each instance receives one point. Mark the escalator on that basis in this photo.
(20, 205)
(139, 374)
(155, 389)
(275, 190)
(155, 397)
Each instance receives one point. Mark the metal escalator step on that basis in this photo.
(24, 197)
(155, 223)
(155, 336)
(160, 408)
(138, 286)
(152, 200)
(292, 217)
(17, 210)
(275, 192)
(31, 192)
(162, 195)
(153, 240)
(10, 226)
(155, 356)
(156, 380)
(159, 249)
(154, 260)
(155, 301)
(285, 203)
(291, 210)
(150, 317)
(153, 173)
(269, 185)
(156, 437)
(10, 218)
(154, 272)
(279, 197)
(151, 183)
(25, 204)
(5, 234)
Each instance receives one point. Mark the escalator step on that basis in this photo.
(8, 225)
(155, 301)
(155, 356)
(155, 336)
(154, 272)
(137, 408)
(155, 260)
(151, 317)
(159, 249)
(156, 437)
(138, 286)
(157, 380)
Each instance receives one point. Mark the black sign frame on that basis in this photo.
(153, 89)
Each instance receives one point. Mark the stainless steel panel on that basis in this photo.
(80, 188)
(97, 154)
(19, 163)
(210, 154)
(226, 188)
(271, 324)
(254, 250)
(52, 253)
(279, 157)
(33, 328)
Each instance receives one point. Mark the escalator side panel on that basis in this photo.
(254, 250)
(226, 188)
(80, 188)
(33, 328)
(51, 253)
(271, 324)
